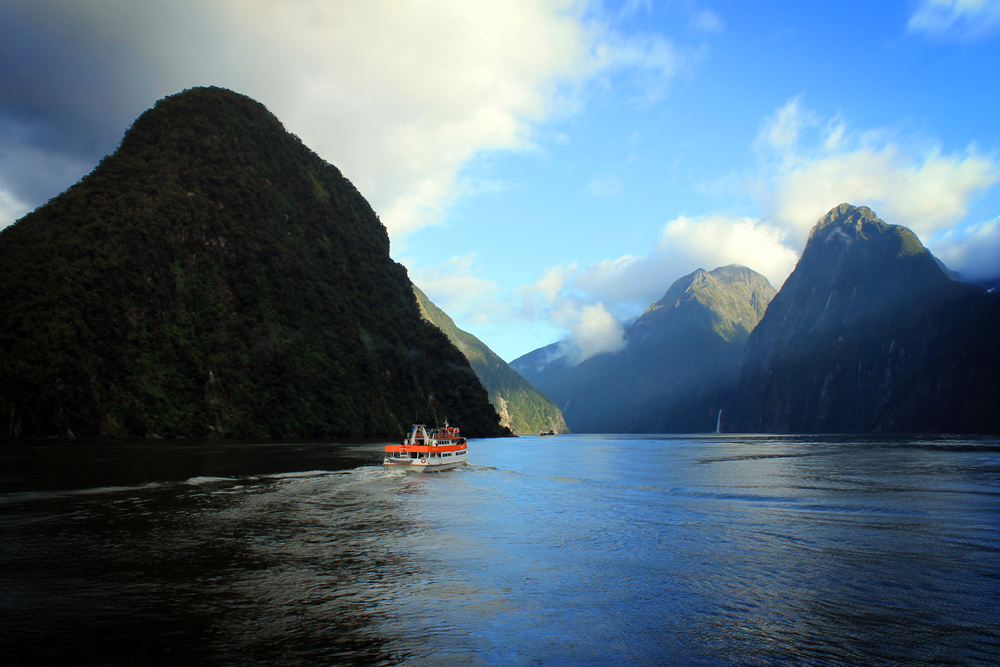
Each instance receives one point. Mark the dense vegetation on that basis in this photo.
(869, 333)
(680, 365)
(216, 277)
(521, 406)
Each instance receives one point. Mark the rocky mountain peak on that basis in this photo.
(729, 299)
(861, 218)
(868, 333)
(851, 244)
(681, 364)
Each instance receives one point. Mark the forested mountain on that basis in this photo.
(521, 406)
(680, 365)
(216, 277)
(870, 333)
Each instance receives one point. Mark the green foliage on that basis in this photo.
(522, 407)
(216, 277)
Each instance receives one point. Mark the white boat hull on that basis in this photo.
(414, 465)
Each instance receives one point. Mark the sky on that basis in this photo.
(547, 168)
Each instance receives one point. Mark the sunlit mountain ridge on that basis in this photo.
(679, 367)
(521, 406)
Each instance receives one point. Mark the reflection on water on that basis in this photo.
(572, 550)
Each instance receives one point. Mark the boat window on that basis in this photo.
(413, 455)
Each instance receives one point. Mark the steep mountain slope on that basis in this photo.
(216, 277)
(680, 365)
(521, 407)
(870, 334)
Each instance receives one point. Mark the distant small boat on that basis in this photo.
(546, 432)
(427, 450)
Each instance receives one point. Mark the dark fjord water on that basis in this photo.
(572, 550)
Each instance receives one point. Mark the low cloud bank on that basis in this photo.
(973, 251)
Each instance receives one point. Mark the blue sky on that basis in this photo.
(547, 168)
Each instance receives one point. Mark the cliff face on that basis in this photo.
(521, 406)
(680, 365)
(216, 277)
(870, 334)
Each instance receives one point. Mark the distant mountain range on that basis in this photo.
(680, 365)
(521, 407)
(215, 277)
(871, 333)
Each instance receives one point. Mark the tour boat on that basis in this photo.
(546, 431)
(427, 450)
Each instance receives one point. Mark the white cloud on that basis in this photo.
(628, 284)
(718, 240)
(956, 19)
(804, 176)
(455, 288)
(785, 126)
(707, 21)
(590, 302)
(25, 168)
(604, 186)
(973, 251)
(11, 208)
(651, 61)
(544, 298)
(399, 95)
(807, 165)
(591, 328)
(595, 331)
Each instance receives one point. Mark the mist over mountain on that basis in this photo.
(680, 365)
(988, 284)
(521, 406)
(214, 276)
(870, 333)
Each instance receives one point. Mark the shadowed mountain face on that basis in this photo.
(521, 407)
(216, 277)
(870, 334)
(680, 365)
